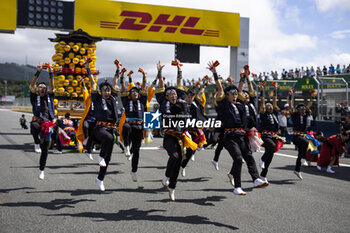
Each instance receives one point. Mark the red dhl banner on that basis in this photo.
(132, 21)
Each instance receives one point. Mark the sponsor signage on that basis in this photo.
(142, 22)
(8, 15)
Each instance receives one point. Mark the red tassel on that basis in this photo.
(117, 62)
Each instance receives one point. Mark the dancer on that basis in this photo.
(171, 101)
(105, 107)
(43, 120)
(299, 118)
(134, 101)
(235, 141)
(196, 104)
(218, 137)
(331, 148)
(269, 131)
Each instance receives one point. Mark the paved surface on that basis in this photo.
(68, 200)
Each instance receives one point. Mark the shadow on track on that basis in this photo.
(77, 165)
(81, 192)
(182, 179)
(14, 189)
(207, 201)
(88, 173)
(146, 215)
(24, 147)
(56, 204)
(154, 167)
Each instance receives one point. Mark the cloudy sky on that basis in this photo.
(283, 34)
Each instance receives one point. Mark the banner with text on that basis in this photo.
(141, 22)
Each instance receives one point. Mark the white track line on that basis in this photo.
(294, 157)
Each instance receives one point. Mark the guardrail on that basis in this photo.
(26, 109)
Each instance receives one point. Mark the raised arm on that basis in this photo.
(153, 84)
(144, 81)
(274, 100)
(116, 77)
(122, 82)
(241, 83)
(309, 104)
(51, 85)
(262, 108)
(35, 78)
(159, 75)
(290, 101)
(212, 68)
(179, 74)
(91, 78)
(250, 87)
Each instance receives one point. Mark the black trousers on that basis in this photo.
(71, 134)
(35, 131)
(189, 154)
(132, 134)
(106, 139)
(220, 146)
(88, 129)
(171, 145)
(44, 152)
(302, 144)
(238, 148)
(270, 145)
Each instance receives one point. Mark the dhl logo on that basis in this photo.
(138, 21)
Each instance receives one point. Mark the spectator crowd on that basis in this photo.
(301, 72)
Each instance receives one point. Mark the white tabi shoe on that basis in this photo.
(319, 168)
(259, 183)
(127, 151)
(100, 185)
(183, 171)
(41, 175)
(304, 163)
(261, 163)
(89, 155)
(130, 157)
(193, 158)
(171, 194)
(329, 170)
(230, 178)
(37, 148)
(264, 179)
(239, 191)
(101, 162)
(165, 181)
(216, 165)
(298, 174)
(134, 176)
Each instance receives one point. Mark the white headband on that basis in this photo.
(170, 91)
(106, 87)
(232, 91)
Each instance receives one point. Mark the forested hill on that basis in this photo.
(9, 71)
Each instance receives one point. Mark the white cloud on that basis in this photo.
(269, 45)
(340, 34)
(333, 58)
(330, 5)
